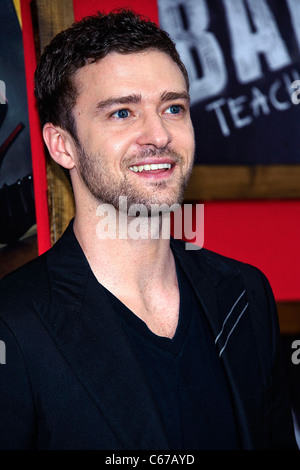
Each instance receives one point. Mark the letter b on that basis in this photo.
(188, 23)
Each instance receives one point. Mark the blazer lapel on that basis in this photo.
(224, 299)
(91, 339)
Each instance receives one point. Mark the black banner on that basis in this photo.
(243, 57)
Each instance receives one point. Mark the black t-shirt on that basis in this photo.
(185, 376)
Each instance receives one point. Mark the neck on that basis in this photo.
(124, 254)
(140, 272)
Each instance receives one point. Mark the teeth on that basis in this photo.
(152, 166)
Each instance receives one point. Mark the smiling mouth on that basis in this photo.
(150, 167)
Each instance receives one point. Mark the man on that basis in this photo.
(122, 342)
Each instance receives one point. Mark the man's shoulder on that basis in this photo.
(217, 269)
(32, 279)
(213, 260)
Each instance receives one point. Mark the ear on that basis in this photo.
(60, 145)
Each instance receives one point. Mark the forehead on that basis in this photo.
(143, 72)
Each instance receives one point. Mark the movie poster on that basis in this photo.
(243, 57)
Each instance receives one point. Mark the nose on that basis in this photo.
(153, 132)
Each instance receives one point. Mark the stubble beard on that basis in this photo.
(107, 189)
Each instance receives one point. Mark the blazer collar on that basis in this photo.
(81, 323)
(221, 291)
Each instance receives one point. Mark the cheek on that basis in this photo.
(191, 139)
(186, 142)
(112, 151)
(115, 146)
(191, 132)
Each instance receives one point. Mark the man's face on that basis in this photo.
(134, 128)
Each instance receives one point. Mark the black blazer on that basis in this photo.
(72, 381)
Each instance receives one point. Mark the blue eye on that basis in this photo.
(121, 113)
(174, 109)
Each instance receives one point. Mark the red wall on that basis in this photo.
(37, 147)
(263, 233)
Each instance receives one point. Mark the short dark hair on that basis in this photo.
(88, 41)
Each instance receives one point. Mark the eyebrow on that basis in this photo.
(129, 99)
(172, 96)
(118, 100)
